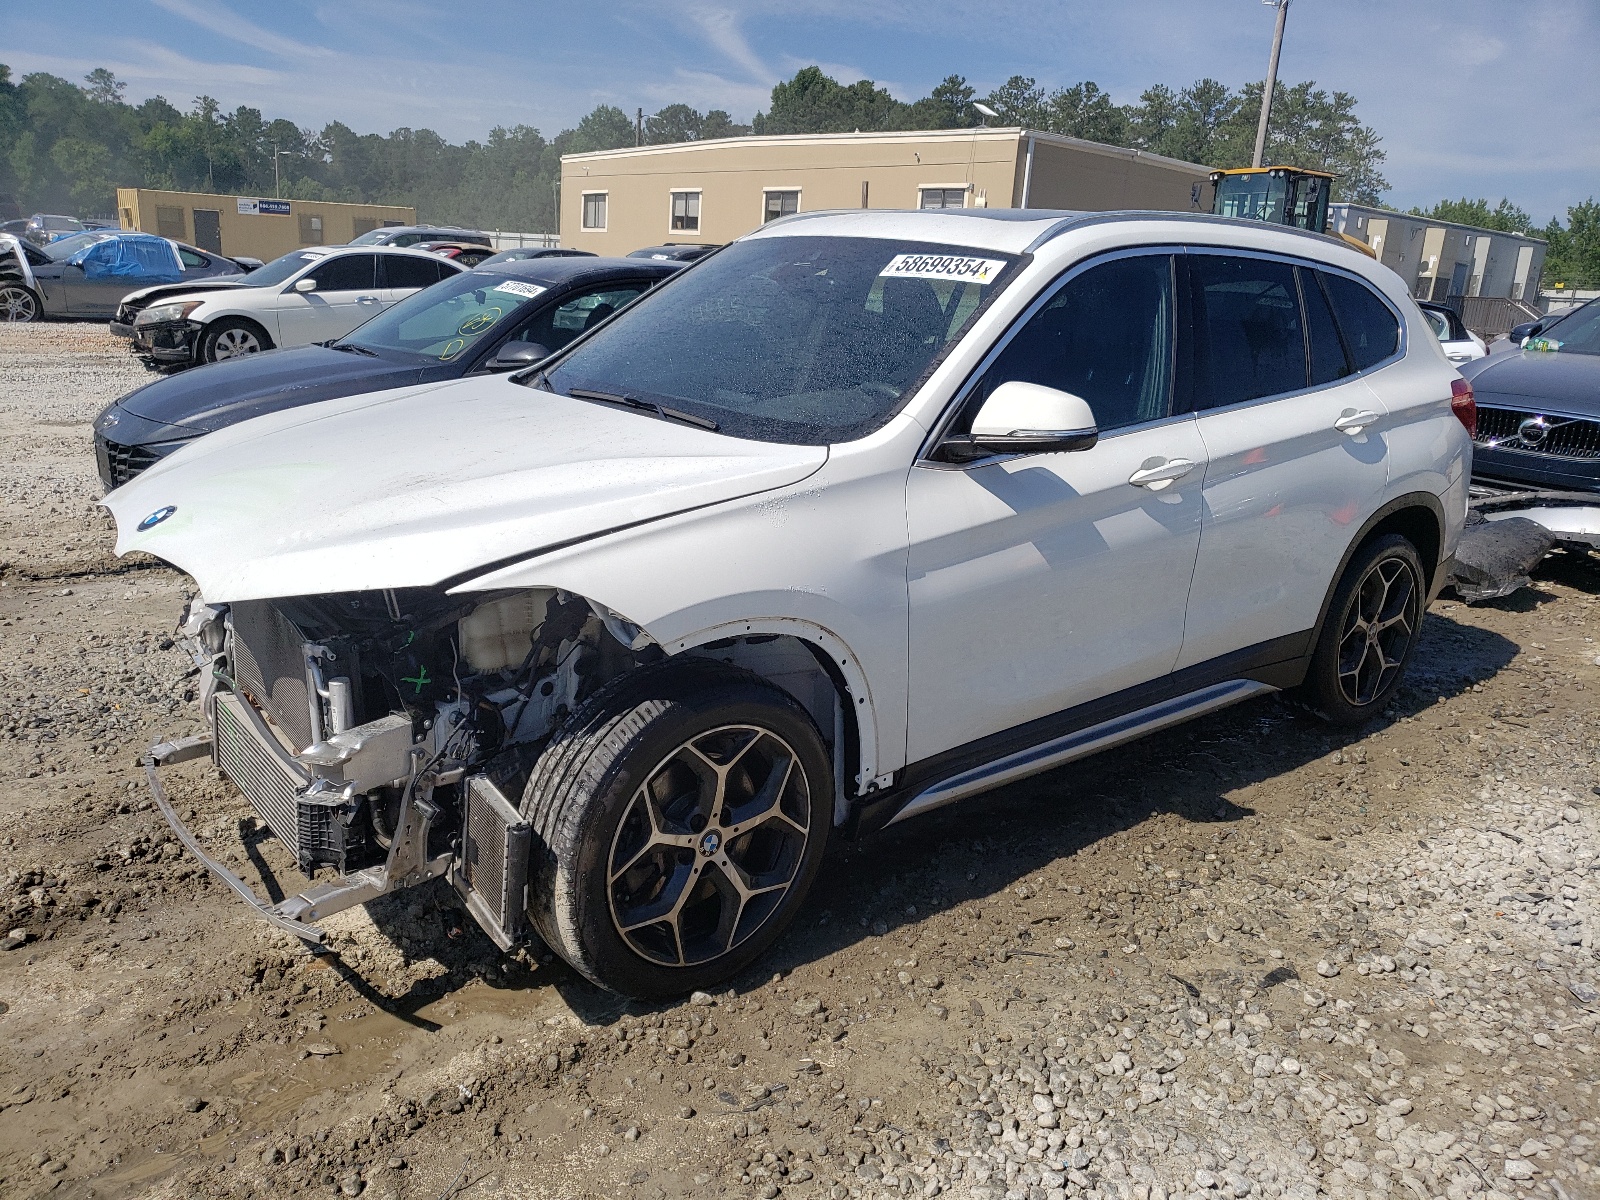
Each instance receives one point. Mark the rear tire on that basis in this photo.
(19, 303)
(1369, 635)
(232, 337)
(679, 819)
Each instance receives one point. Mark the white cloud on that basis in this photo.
(215, 18)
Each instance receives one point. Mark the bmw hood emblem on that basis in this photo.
(155, 518)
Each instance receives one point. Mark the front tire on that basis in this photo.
(681, 816)
(232, 337)
(19, 303)
(1370, 633)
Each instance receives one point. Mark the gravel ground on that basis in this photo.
(1245, 958)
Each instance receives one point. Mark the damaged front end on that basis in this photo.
(1509, 531)
(386, 737)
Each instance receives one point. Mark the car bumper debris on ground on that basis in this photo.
(1253, 959)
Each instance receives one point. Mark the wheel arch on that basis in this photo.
(1419, 518)
(855, 738)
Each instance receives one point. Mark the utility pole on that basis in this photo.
(277, 183)
(1272, 80)
(638, 128)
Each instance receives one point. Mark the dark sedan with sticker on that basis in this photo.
(494, 318)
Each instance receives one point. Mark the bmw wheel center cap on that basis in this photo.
(711, 843)
(155, 518)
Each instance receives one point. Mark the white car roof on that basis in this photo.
(1007, 230)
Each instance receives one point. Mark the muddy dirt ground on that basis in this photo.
(1244, 958)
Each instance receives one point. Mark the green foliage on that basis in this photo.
(1574, 255)
(65, 147)
(1505, 216)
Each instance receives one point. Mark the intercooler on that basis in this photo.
(312, 824)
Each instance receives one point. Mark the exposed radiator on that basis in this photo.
(269, 663)
(491, 872)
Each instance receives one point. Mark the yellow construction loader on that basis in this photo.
(1292, 196)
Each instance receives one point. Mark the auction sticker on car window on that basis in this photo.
(517, 288)
(943, 266)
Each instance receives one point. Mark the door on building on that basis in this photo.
(1458, 279)
(208, 229)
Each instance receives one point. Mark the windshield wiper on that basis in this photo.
(661, 410)
(351, 348)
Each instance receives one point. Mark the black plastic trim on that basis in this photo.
(1279, 663)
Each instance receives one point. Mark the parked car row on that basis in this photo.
(629, 598)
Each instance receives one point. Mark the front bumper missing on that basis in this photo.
(406, 866)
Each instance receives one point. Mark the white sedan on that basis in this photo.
(307, 296)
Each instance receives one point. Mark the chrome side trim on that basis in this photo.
(1085, 742)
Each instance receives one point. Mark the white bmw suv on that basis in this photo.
(864, 514)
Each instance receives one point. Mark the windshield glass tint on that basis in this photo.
(1578, 333)
(442, 322)
(279, 269)
(807, 340)
(64, 248)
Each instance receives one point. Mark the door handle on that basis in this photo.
(366, 299)
(1158, 473)
(1352, 422)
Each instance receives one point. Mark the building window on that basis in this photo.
(780, 204)
(685, 212)
(310, 229)
(364, 225)
(943, 197)
(594, 210)
(170, 223)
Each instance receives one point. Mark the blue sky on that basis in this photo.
(1450, 84)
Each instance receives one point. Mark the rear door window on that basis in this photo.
(404, 271)
(1249, 341)
(346, 273)
(1371, 331)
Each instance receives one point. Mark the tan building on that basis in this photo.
(614, 201)
(251, 226)
(1440, 259)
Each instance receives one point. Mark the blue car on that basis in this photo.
(495, 318)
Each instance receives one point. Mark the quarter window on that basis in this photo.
(1370, 330)
(780, 204)
(1248, 337)
(594, 210)
(1106, 336)
(685, 212)
(1328, 361)
(942, 198)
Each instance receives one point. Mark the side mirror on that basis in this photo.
(1521, 333)
(305, 285)
(515, 355)
(1026, 418)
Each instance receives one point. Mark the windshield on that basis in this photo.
(1576, 333)
(440, 323)
(806, 340)
(64, 248)
(279, 269)
(1256, 197)
(372, 237)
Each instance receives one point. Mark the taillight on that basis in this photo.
(1464, 406)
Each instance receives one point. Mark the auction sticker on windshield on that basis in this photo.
(943, 266)
(517, 288)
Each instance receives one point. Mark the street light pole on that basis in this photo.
(1272, 81)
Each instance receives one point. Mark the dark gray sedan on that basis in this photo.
(45, 281)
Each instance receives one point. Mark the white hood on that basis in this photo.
(412, 487)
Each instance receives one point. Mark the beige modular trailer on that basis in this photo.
(252, 226)
(614, 201)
